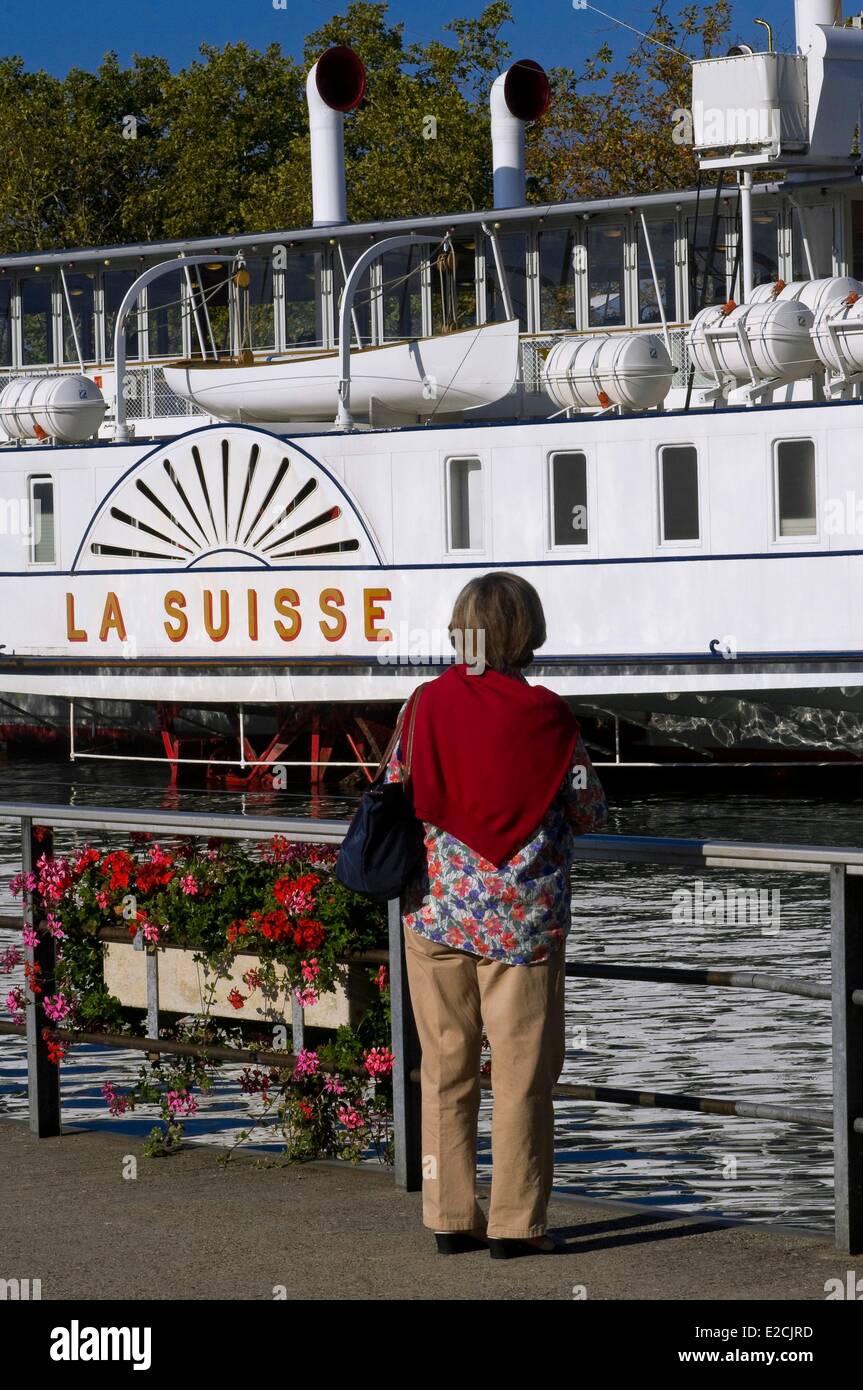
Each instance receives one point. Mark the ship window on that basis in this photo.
(795, 488)
(41, 521)
(459, 307)
(678, 493)
(708, 259)
(81, 292)
(569, 499)
(557, 278)
(605, 274)
(303, 322)
(403, 292)
(662, 245)
(165, 309)
(208, 308)
(856, 239)
(5, 323)
(513, 254)
(116, 283)
(465, 504)
(765, 247)
(812, 227)
(257, 300)
(37, 334)
(362, 313)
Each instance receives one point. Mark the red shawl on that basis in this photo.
(489, 754)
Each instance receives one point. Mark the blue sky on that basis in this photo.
(56, 36)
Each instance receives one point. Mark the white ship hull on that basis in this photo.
(235, 565)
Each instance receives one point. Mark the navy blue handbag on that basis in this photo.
(384, 844)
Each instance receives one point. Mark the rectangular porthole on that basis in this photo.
(795, 488)
(569, 499)
(465, 503)
(41, 521)
(678, 493)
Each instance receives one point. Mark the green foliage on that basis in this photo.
(221, 147)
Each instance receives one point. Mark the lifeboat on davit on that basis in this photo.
(448, 373)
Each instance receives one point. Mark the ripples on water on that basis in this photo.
(715, 1042)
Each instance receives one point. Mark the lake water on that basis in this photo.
(725, 1043)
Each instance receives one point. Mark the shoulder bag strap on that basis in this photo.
(410, 720)
(406, 716)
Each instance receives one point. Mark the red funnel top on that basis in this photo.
(340, 78)
(526, 90)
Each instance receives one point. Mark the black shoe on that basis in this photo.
(510, 1249)
(458, 1242)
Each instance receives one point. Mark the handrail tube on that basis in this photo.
(344, 419)
(130, 298)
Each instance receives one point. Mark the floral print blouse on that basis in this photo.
(518, 912)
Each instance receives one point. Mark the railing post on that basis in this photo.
(846, 911)
(405, 1045)
(43, 1077)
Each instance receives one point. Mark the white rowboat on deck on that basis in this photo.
(421, 377)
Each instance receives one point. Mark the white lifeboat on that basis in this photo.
(449, 373)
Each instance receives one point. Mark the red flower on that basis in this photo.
(236, 999)
(309, 933)
(87, 856)
(117, 868)
(32, 971)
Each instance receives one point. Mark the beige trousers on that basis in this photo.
(455, 993)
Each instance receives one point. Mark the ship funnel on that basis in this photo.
(519, 95)
(335, 84)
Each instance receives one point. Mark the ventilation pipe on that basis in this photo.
(808, 14)
(519, 95)
(335, 84)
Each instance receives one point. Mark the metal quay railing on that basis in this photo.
(844, 866)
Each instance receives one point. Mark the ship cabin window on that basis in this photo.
(512, 247)
(165, 308)
(464, 478)
(678, 493)
(116, 283)
(79, 328)
(301, 273)
(459, 305)
(345, 257)
(765, 247)
(605, 245)
(568, 499)
(42, 549)
(662, 235)
(812, 241)
(557, 278)
(37, 319)
(256, 304)
(708, 260)
(794, 488)
(856, 239)
(5, 323)
(209, 308)
(403, 292)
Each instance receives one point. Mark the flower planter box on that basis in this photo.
(185, 987)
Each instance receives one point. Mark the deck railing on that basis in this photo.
(844, 866)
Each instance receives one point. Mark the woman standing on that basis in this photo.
(502, 783)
